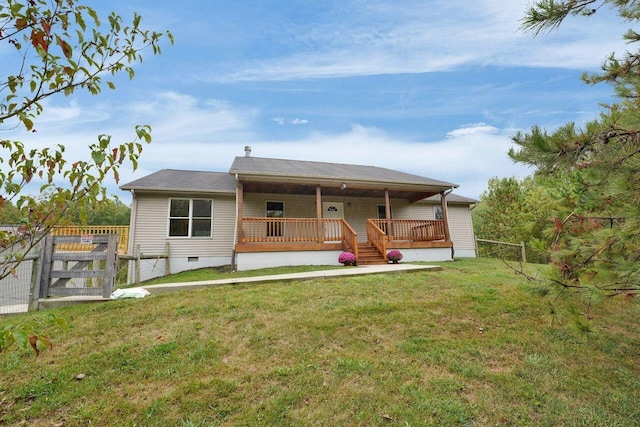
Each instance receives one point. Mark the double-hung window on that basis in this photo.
(190, 217)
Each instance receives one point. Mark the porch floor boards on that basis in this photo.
(369, 255)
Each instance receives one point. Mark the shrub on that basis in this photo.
(394, 255)
(347, 258)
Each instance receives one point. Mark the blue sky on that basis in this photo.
(434, 88)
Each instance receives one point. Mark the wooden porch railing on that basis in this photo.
(349, 239)
(377, 237)
(417, 230)
(291, 230)
(74, 230)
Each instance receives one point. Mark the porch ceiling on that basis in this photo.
(350, 191)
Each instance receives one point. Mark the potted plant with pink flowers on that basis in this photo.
(347, 258)
(394, 256)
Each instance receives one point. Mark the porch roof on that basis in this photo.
(280, 176)
(301, 177)
(453, 198)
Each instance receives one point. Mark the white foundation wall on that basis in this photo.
(179, 264)
(465, 253)
(255, 260)
(425, 255)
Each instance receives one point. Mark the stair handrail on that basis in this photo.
(349, 239)
(377, 238)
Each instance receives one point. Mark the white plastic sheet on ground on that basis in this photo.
(130, 293)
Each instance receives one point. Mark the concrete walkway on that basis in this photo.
(310, 275)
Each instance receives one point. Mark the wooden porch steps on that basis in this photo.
(369, 255)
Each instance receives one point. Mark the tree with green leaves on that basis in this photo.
(57, 48)
(111, 211)
(596, 246)
(513, 210)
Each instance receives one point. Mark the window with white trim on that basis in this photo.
(190, 217)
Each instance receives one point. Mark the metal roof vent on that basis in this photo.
(247, 151)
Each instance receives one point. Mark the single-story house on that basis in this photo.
(273, 212)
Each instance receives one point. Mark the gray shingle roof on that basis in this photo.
(323, 170)
(183, 180)
(202, 181)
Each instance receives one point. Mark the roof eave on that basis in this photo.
(338, 181)
(176, 190)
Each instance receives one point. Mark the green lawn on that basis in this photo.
(473, 344)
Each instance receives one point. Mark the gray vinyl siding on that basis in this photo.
(461, 227)
(151, 227)
(255, 205)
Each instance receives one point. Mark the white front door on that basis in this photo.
(332, 210)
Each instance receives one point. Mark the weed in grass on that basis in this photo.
(190, 423)
(164, 349)
(345, 367)
(154, 410)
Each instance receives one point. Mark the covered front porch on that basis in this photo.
(293, 230)
(312, 234)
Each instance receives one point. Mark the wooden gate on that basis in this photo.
(91, 272)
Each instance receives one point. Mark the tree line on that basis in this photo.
(108, 211)
(581, 208)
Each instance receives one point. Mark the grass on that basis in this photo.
(472, 344)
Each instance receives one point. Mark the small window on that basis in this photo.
(190, 217)
(437, 212)
(275, 209)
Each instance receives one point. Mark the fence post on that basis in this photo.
(45, 267)
(136, 276)
(109, 280)
(36, 273)
(524, 253)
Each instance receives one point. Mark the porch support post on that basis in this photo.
(387, 213)
(443, 203)
(319, 213)
(240, 196)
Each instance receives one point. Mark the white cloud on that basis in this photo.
(278, 120)
(298, 121)
(207, 135)
(468, 156)
(477, 128)
(417, 37)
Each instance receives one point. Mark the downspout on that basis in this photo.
(235, 232)
(445, 215)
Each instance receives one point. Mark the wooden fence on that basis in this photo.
(90, 230)
(94, 270)
(138, 256)
(523, 252)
